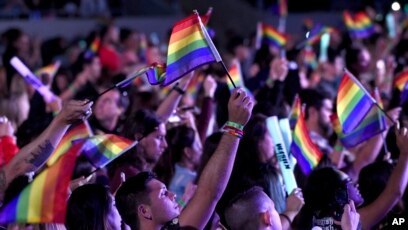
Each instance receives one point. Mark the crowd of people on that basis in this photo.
(190, 170)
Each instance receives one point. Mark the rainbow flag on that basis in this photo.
(190, 47)
(309, 57)
(194, 85)
(93, 48)
(306, 152)
(360, 26)
(156, 73)
(401, 80)
(283, 7)
(206, 17)
(82, 130)
(45, 199)
(316, 33)
(269, 35)
(372, 124)
(102, 149)
(353, 102)
(295, 112)
(50, 70)
(236, 75)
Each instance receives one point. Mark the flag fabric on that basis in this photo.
(353, 102)
(306, 152)
(102, 149)
(194, 85)
(236, 76)
(82, 130)
(372, 124)
(316, 33)
(401, 80)
(283, 7)
(44, 200)
(156, 73)
(50, 70)
(190, 47)
(295, 112)
(206, 17)
(271, 36)
(360, 26)
(309, 58)
(93, 48)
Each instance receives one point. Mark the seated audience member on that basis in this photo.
(91, 206)
(32, 156)
(145, 203)
(329, 189)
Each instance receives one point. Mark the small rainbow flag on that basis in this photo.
(194, 85)
(236, 75)
(190, 47)
(401, 80)
(360, 26)
(156, 73)
(353, 102)
(306, 152)
(294, 113)
(372, 124)
(309, 57)
(206, 17)
(50, 70)
(45, 199)
(82, 130)
(93, 48)
(269, 35)
(316, 33)
(102, 149)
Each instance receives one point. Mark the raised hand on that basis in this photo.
(295, 201)
(279, 69)
(73, 111)
(240, 107)
(350, 218)
(210, 85)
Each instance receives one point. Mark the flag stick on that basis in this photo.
(120, 84)
(229, 76)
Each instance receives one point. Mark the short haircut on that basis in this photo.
(142, 122)
(313, 98)
(131, 194)
(243, 211)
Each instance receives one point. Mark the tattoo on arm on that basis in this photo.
(40, 154)
(2, 180)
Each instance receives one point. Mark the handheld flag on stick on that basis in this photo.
(236, 76)
(315, 34)
(45, 199)
(50, 70)
(269, 35)
(353, 102)
(306, 152)
(400, 82)
(190, 47)
(100, 150)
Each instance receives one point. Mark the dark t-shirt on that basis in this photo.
(175, 225)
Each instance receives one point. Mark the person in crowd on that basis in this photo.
(328, 190)
(145, 203)
(91, 206)
(32, 156)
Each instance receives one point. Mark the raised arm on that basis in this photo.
(32, 156)
(168, 105)
(371, 214)
(216, 173)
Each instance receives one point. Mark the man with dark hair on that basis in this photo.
(145, 203)
(319, 107)
(252, 210)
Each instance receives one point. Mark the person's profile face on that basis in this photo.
(163, 203)
(155, 143)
